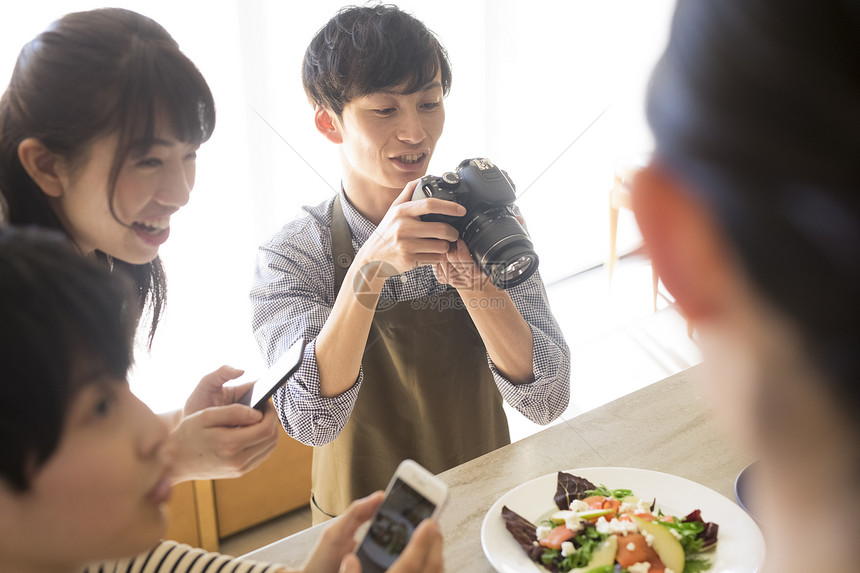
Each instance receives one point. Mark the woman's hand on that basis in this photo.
(210, 391)
(334, 551)
(217, 437)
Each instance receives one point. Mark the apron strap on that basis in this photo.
(341, 243)
(440, 407)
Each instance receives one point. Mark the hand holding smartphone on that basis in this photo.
(412, 495)
(275, 377)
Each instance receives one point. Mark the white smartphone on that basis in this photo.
(412, 495)
(275, 377)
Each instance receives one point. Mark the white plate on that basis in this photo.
(740, 547)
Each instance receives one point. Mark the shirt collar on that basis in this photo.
(359, 226)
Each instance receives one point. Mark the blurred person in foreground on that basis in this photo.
(751, 210)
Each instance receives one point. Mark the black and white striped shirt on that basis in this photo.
(173, 557)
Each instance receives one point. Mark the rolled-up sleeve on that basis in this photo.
(291, 298)
(293, 295)
(544, 399)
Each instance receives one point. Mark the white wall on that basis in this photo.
(529, 77)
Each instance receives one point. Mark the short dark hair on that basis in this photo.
(57, 309)
(88, 75)
(362, 50)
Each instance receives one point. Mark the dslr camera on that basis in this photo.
(491, 231)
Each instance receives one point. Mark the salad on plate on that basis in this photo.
(598, 530)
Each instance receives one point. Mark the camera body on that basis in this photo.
(490, 229)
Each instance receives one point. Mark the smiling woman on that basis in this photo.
(133, 218)
(100, 127)
(85, 105)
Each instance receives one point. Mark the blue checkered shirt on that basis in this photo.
(293, 294)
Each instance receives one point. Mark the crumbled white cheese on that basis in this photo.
(578, 505)
(615, 526)
(641, 567)
(542, 532)
(649, 539)
(573, 523)
(675, 533)
(667, 570)
(567, 548)
(631, 546)
(627, 507)
(644, 505)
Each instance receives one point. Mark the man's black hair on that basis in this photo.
(363, 50)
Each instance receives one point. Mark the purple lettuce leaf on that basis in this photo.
(570, 487)
(709, 534)
(525, 534)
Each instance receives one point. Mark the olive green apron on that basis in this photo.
(428, 394)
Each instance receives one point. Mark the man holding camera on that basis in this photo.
(411, 347)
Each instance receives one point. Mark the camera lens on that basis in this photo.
(516, 267)
(501, 247)
(519, 267)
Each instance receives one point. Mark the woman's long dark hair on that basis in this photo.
(91, 74)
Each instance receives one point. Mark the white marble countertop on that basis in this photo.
(666, 427)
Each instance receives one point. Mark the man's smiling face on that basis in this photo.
(388, 136)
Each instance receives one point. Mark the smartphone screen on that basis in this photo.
(275, 377)
(400, 513)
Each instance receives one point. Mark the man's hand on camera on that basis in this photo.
(402, 241)
(460, 270)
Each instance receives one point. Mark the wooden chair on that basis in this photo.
(620, 197)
